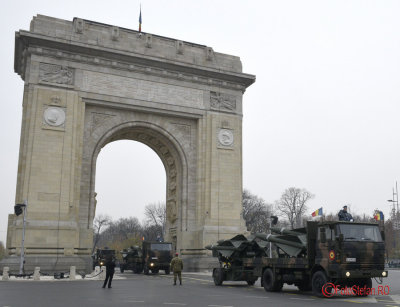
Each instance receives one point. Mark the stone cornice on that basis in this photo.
(28, 42)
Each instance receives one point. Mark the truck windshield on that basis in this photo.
(353, 232)
(161, 247)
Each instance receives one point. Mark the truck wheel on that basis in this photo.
(251, 282)
(270, 283)
(320, 285)
(218, 276)
(166, 271)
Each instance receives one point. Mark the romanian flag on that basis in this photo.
(317, 212)
(140, 20)
(378, 216)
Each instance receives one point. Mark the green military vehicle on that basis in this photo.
(156, 256)
(132, 259)
(324, 257)
(99, 257)
(153, 256)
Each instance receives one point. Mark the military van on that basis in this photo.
(156, 256)
(152, 257)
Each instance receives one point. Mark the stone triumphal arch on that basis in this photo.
(88, 84)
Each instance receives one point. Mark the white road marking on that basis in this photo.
(219, 306)
(256, 296)
(180, 304)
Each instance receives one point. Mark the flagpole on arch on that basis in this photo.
(140, 19)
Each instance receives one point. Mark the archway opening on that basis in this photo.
(130, 179)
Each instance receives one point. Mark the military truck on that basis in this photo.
(156, 256)
(153, 256)
(132, 259)
(322, 257)
(99, 257)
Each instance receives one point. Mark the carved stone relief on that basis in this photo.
(225, 137)
(98, 120)
(171, 211)
(54, 116)
(183, 131)
(55, 74)
(222, 102)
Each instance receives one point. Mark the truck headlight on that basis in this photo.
(101, 263)
(384, 274)
(348, 274)
(152, 264)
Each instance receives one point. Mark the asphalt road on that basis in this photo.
(157, 290)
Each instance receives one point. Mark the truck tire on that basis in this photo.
(218, 276)
(166, 271)
(319, 285)
(270, 283)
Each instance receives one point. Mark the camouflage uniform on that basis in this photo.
(177, 267)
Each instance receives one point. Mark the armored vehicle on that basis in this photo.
(322, 257)
(156, 256)
(100, 256)
(132, 259)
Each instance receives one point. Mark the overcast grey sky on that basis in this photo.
(323, 114)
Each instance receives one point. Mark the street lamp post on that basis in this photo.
(21, 208)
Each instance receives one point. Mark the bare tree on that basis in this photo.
(123, 229)
(156, 216)
(256, 212)
(99, 223)
(293, 204)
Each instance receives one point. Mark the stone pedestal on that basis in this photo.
(5, 276)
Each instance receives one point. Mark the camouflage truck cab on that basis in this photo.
(156, 256)
(346, 254)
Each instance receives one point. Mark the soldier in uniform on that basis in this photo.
(344, 215)
(110, 268)
(177, 267)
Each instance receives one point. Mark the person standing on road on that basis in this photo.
(110, 268)
(177, 267)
